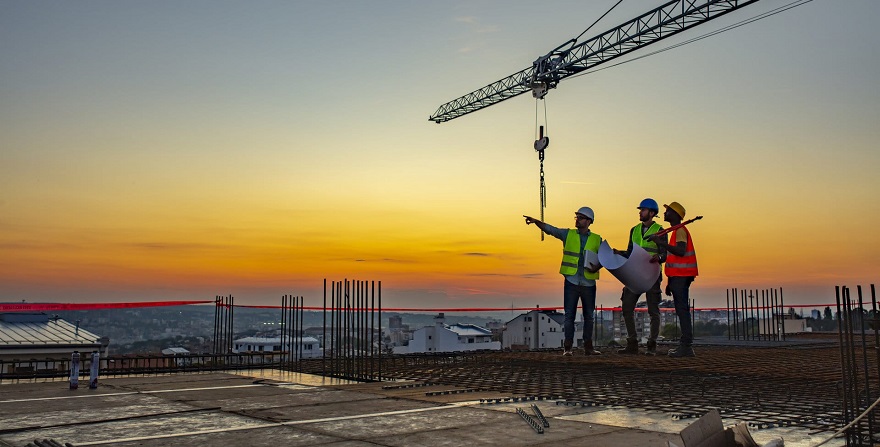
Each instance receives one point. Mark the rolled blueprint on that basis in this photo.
(637, 273)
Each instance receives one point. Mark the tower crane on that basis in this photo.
(572, 57)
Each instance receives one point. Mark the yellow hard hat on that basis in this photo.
(677, 208)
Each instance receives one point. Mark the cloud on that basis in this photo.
(175, 246)
(398, 261)
(476, 254)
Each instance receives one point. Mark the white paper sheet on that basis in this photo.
(637, 273)
(591, 258)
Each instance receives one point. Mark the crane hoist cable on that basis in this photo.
(541, 143)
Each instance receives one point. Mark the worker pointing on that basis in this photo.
(580, 267)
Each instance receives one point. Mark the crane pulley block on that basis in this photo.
(541, 143)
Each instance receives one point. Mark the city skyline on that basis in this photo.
(160, 151)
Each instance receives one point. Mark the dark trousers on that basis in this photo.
(572, 294)
(628, 305)
(680, 288)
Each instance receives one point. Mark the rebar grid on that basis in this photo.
(767, 387)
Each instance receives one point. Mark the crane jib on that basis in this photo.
(655, 25)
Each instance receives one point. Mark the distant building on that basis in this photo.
(537, 329)
(308, 346)
(395, 322)
(643, 320)
(785, 325)
(182, 355)
(175, 351)
(398, 334)
(30, 342)
(449, 338)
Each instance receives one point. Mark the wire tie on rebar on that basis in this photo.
(530, 421)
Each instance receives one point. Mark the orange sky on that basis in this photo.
(163, 152)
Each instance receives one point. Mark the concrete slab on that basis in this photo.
(269, 409)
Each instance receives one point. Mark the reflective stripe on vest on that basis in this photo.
(571, 253)
(638, 239)
(682, 265)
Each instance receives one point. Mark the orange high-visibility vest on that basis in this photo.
(681, 265)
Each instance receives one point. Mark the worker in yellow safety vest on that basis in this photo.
(640, 235)
(681, 269)
(580, 267)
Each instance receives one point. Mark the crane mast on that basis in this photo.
(571, 57)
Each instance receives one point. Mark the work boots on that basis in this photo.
(632, 347)
(682, 351)
(566, 347)
(651, 347)
(588, 348)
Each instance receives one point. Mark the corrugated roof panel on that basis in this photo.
(44, 333)
(468, 330)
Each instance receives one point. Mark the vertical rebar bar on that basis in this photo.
(782, 308)
(851, 360)
(331, 342)
(380, 329)
(843, 362)
(214, 334)
(866, 371)
(876, 321)
(735, 299)
(773, 315)
(727, 300)
(283, 328)
(763, 314)
(336, 323)
(323, 346)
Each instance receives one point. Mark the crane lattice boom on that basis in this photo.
(546, 72)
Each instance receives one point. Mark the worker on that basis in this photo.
(639, 235)
(681, 269)
(581, 270)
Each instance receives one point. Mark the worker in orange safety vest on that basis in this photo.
(681, 269)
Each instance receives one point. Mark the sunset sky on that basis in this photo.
(181, 150)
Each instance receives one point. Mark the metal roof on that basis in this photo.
(272, 340)
(468, 330)
(33, 330)
(175, 351)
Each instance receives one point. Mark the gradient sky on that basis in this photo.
(165, 150)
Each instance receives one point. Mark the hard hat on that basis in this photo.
(586, 211)
(677, 208)
(650, 204)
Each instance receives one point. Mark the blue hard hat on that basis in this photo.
(650, 204)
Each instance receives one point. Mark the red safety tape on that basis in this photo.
(38, 307)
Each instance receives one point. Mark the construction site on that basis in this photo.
(357, 379)
(803, 390)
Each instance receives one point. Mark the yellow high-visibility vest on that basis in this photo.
(572, 251)
(639, 240)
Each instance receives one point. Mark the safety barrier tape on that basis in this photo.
(40, 307)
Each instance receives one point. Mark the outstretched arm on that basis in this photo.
(531, 220)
